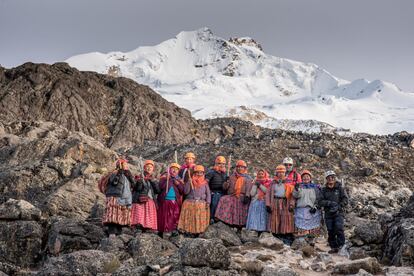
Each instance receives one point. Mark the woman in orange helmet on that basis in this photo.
(144, 211)
(307, 215)
(170, 199)
(186, 169)
(280, 204)
(195, 213)
(233, 207)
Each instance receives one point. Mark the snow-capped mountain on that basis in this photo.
(214, 77)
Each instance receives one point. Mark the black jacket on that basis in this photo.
(150, 190)
(216, 180)
(115, 186)
(333, 200)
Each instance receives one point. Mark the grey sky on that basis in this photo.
(352, 39)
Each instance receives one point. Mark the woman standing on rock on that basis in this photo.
(195, 213)
(117, 189)
(170, 199)
(280, 204)
(307, 216)
(233, 207)
(216, 177)
(257, 219)
(186, 170)
(144, 210)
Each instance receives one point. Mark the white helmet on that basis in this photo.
(329, 173)
(288, 160)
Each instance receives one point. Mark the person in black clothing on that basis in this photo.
(216, 178)
(334, 199)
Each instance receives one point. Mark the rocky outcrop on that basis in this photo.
(115, 111)
(84, 262)
(21, 234)
(399, 240)
(68, 235)
(202, 252)
(223, 232)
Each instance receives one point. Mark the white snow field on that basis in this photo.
(215, 77)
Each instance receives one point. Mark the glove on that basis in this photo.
(258, 184)
(297, 186)
(291, 209)
(313, 210)
(268, 209)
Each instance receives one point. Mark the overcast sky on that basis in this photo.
(352, 39)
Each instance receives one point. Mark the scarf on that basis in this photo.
(265, 181)
(239, 182)
(198, 181)
(218, 169)
(309, 185)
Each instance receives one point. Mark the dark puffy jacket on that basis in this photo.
(150, 190)
(333, 200)
(216, 180)
(115, 185)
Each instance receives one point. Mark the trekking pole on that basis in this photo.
(229, 166)
(191, 181)
(141, 163)
(175, 157)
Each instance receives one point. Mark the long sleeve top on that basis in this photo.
(230, 185)
(201, 193)
(306, 195)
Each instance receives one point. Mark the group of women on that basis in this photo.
(188, 198)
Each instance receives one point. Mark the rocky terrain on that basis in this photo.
(52, 154)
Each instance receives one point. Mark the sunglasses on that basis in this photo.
(288, 165)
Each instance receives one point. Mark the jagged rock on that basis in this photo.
(318, 266)
(20, 242)
(149, 248)
(362, 272)
(204, 271)
(322, 151)
(84, 262)
(67, 235)
(8, 269)
(202, 252)
(351, 267)
(76, 198)
(117, 246)
(326, 258)
(223, 232)
(399, 240)
(399, 271)
(278, 271)
(19, 210)
(357, 253)
(31, 166)
(101, 106)
(369, 232)
(249, 236)
(252, 267)
(267, 240)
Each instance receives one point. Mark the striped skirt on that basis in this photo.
(168, 215)
(116, 213)
(257, 219)
(232, 211)
(144, 214)
(194, 217)
(281, 221)
(215, 198)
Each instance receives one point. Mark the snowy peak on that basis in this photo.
(212, 76)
